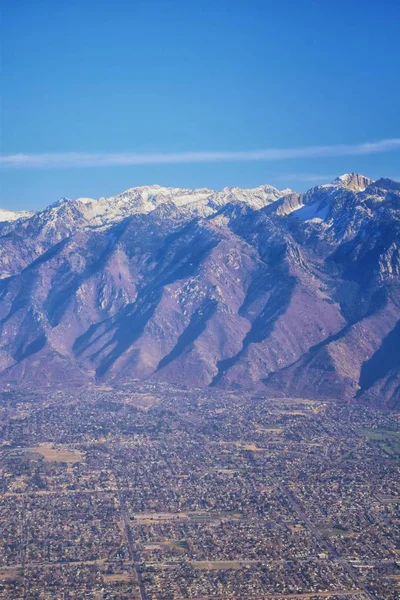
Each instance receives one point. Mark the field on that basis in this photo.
(55, 454)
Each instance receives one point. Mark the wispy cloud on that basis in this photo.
(83, 159)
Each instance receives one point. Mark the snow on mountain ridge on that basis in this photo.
(10, 215)
(145, 199)
(203, 202)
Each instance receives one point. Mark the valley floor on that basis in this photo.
(156, 493)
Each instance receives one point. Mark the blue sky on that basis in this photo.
(111, 81)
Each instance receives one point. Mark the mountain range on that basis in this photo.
(284, 293)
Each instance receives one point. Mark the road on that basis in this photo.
(133, 554)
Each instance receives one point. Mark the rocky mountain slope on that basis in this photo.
(286, 293)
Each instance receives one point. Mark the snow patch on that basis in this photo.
(9, 215)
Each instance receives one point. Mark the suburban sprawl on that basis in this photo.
(152, 492)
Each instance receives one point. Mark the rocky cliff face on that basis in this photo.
(294, 294)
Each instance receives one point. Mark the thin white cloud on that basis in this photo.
(83, 159)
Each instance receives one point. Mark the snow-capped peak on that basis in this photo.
(85, 200)
(103, 212)
(145, 199)
(201, 202)
(352, 181)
